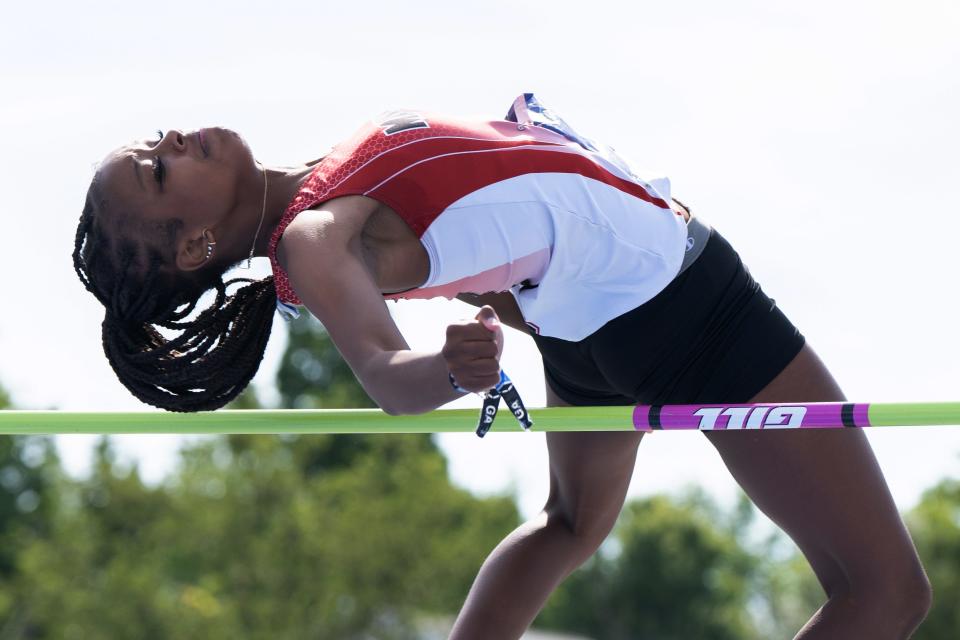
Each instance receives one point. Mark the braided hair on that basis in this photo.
(126, 263)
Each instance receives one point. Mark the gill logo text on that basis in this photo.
(751, 417)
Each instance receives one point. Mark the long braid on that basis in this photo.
(215, 355)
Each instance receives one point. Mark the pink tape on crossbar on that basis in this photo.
(718, 417)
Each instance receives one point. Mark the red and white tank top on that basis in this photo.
(570, 231)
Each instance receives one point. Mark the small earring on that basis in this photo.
(210, 245)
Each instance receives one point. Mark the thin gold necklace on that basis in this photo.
(263, 212)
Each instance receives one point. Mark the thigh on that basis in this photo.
(823, 487)
(590, 473)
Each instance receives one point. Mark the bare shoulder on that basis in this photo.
(331, 227)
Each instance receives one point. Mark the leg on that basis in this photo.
(826, 490)
(589, 476)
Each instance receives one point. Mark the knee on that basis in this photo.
(902, 597)
(588, 528)
(913, 596)
(909, 591)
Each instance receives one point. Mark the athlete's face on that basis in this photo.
(202, 178)
(179, 175)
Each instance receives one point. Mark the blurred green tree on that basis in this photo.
(28, 501)
(312, 374)
(384, 515)
(935, 526)
(786, 592)
(248, 545)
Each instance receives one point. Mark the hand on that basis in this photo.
(473, 349)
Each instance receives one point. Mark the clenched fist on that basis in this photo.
(473, 349)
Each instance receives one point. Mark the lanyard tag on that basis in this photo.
(488, 413)
(512, 398)
(491, 404)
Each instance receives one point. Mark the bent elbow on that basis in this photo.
(390, 410)
(394, 409)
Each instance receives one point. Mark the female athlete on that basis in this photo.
(629, 298)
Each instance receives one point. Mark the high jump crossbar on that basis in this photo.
(824, 415)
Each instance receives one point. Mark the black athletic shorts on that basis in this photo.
(710, 337)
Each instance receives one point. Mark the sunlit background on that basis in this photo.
(820, 138)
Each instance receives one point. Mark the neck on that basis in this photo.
(282, 185)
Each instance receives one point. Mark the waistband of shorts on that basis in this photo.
(698, 232)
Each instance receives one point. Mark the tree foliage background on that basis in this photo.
(352, 537)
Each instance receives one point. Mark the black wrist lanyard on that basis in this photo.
(491, 404)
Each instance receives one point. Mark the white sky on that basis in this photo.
(820, 138)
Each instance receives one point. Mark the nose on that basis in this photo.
(173, 139)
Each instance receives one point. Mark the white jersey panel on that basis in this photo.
(487, 233)
(609, 251)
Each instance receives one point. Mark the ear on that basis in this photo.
(192, 250)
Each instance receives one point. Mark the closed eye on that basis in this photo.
(159, 171)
